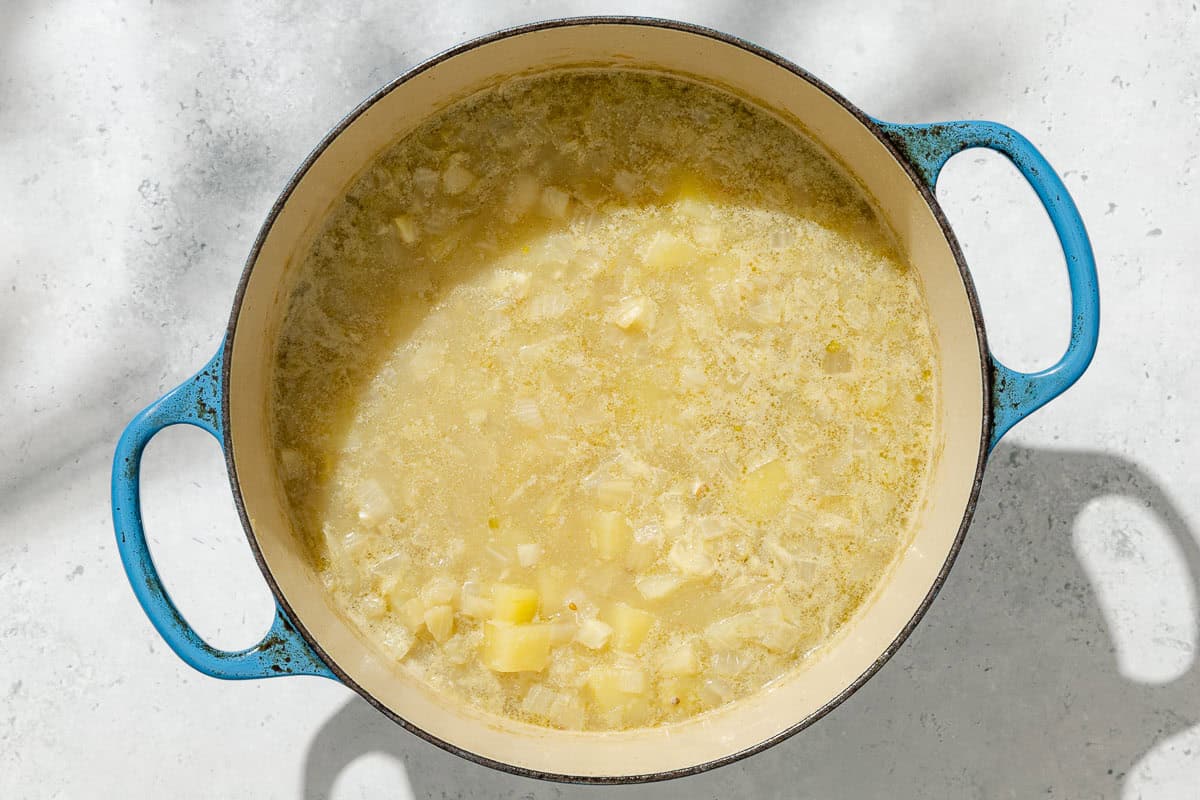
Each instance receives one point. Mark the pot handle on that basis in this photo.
(1016, 395)
(282, 651)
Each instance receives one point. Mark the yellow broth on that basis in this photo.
(603, 399)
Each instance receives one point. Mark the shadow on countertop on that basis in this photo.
(1009, 687)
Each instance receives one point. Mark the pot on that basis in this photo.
(981, 399)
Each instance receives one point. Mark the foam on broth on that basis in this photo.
(603, 399)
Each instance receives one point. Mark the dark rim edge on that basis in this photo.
(684, 27)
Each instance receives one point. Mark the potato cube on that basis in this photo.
(593, 634)
(562, 632)
(630, 626)
(515, 648)
(689, 557)
(440, 622)
(610, 534)
(641, 554)
(677, 694)
(668, 251)
(614, 687)
(552, 587)
(514, 603)
(681, 661)
(763, 493)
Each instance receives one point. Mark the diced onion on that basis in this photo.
(656, 587)
(528, 554)
(374, 504)
(593, 634)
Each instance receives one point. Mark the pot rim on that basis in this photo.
(919, 184)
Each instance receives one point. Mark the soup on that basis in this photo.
(603, 399)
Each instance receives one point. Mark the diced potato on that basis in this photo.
(677, 693)
(641, 554)
(668, 251)
(764, 492)
(593, 634)
(610, 534)
(614, 687)
(562, 632)
(514, 603)
(630, 625)
(515, 648)
(440, 622)
(689, 557)
(412, 614)
(406, 226)
(681, 661)
(528, 554)
(656, 587)
(552, 587)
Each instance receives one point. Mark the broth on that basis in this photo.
(603, 399)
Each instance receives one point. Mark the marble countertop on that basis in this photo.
(141, 146)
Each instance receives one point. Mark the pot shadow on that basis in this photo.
(1009, 687)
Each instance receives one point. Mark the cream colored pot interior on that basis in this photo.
(751, 721)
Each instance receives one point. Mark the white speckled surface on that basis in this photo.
(142, 144)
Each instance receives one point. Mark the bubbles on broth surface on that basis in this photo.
(603, 400)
